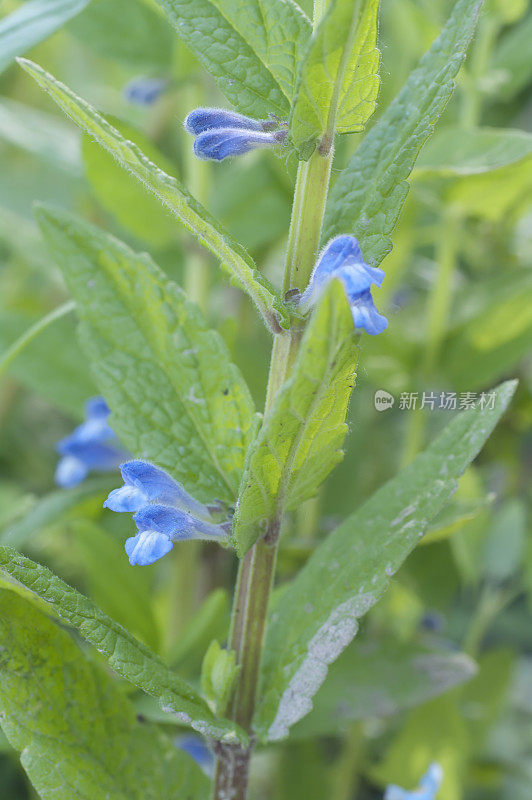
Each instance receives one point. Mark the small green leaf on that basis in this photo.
(171, 194)
(300, 440)
(125, 654)
(218, 675)
(71, 722)
(374, 679)
(338, 80)
(369, 194)
(31, 23)
(252, 49)
(349, 572)
(459, 151)
(176, 397)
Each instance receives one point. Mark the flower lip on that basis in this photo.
(204, 119)
(147, 547)
(366, 316)
(153, 484)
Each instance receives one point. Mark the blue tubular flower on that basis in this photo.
(145, 483)
(342, 258)
(204, 119)
(90, 446)
(198, 750)
(219, 143)
(144, 91)
(220, 133)
(427, 789)
(165, 512)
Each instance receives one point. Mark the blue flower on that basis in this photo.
(165, 513)
(144, 91)
(220, 133)
(145, 483)
(427, 789)
(90, 446)
(342, 258)
(204, 119)
(198, 750)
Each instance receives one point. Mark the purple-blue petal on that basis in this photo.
(366, 316)
(198, 750)
(97, 407)
(205, 119)
(144, 91)
(427, 789)
(176, 523)
(220, 143)
(70, 471)
(158, 485)
(126, 498)
(147, 547)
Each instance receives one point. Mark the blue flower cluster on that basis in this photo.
(144, 91)
(220, 133)
(427, 789)
(342, 258)
(163, 512)
(90, 446)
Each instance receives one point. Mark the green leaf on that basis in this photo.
(377, 679)
(349, 572)
(168, 190)
(32, 22)
(511, 66)
(218, 675)
(300, 440)
(338, 80)
(51, 365)
(118, 192)
(126, 655)
(176, 397)
(459, 151)
(75, 729)
(53, 506)
(44, 135)
(369, 194)
(127, 31)
(252, 49)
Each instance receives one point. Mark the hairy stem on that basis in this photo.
(256, 571)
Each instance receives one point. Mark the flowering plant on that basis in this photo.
(214, 487)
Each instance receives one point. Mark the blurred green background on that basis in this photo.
(458, 295)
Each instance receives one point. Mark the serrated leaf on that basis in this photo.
(348, 573)
(251, 48)
(75, 729)
(369, 194)
(338, 80)
(169, 191)
(378, 679)
(175, 396)
(31, 23)
(300, 440)
(126, 655)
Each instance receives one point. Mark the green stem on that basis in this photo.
(256, 569)
(28, 336)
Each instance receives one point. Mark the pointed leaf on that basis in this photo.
(300, 440)
(348, 573)
(126, 655)
(338, 80)
(176, 397)
(369, 194)
(251, 48)
(75, 729)
(168, 190)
